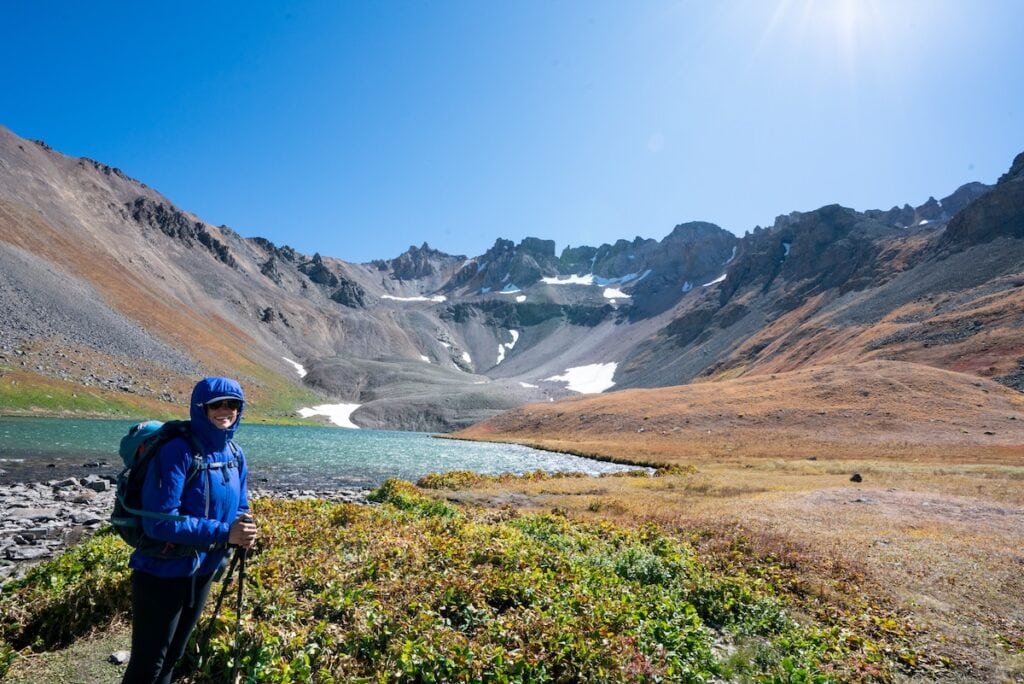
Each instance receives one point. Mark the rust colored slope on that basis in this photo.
(879, 409)
(130, 293)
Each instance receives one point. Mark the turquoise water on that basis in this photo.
(287, 457)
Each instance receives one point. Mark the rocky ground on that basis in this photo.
(39, 303)
(38, 518)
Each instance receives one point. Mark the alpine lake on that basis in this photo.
(280, 457)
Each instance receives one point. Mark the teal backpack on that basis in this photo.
(137, 450)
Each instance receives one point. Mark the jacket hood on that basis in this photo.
(205, 390)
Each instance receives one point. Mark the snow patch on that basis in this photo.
(569, 280)
(785, 249)
(521, 298)
(526, 384)
(591, 279)
(339, 414)
(731, 256)
(502, 348)
(614, 293)
(424, 358)
(592, 379)
(466, 357)
(298, 366)
(687, 286)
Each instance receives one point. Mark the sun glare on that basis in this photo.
(840, 30)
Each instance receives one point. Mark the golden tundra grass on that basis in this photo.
(934, 529)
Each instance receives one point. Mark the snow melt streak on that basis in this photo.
(502, 348)
(298, 366)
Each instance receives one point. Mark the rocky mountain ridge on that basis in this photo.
(105, 271)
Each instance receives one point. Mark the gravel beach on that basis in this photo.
(46, 506)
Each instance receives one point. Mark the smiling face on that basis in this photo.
(224, 413)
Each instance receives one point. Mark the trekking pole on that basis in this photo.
(241, 553)
(204, 640)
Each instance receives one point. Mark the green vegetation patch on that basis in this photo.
(27, 394)
(417, 590)
(62, 599)
(468, 479)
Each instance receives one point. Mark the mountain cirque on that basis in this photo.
(106, 286)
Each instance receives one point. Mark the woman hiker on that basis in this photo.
(171, 577)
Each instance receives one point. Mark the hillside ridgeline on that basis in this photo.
(112, 299)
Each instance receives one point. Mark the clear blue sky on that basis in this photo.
(358, 128)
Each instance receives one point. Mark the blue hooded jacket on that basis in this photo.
(209, 503)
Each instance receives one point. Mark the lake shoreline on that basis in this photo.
(41, 516)
(37, 450)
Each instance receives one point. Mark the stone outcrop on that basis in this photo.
(350, 294)
(175, 224)
(506, 264)
(999, 213)
(318, 272)
(270, 269)
(417, 263)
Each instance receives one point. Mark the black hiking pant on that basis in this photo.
(165, 610)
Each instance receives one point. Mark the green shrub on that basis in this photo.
(455, 479)
(62, 599)
(7, 656)
(405, 496)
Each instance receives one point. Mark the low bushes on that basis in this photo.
(417, 590)
(57, 601)
(467, 479)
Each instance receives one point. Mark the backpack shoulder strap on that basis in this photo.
(183, 429)
(236, 452)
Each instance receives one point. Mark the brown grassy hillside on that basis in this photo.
(882, 409)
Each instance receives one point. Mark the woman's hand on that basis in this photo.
(243, 531)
